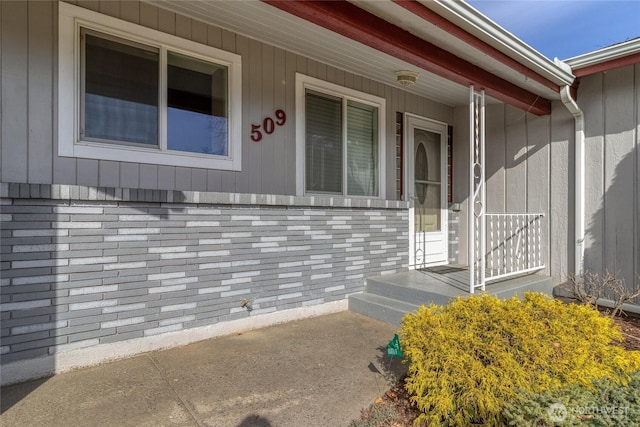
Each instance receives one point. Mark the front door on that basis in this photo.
(426, 165)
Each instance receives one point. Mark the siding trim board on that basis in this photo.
(84, 193)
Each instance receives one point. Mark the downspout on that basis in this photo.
(579, 190)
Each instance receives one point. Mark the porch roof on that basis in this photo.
(448, 42)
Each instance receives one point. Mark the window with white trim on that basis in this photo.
(129, 93)
(340, 131)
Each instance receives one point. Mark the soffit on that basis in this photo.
(260, 21)
(416, 25)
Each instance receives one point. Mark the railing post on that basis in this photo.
(470, 209)
(476, 208)
(483, 196)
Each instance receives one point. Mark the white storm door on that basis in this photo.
(426, 166)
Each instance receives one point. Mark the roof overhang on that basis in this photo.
(608, 58)
(448, 42)
(497, 39)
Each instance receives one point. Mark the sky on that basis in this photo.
(565, 28)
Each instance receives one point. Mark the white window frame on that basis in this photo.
(304, 83)
(70, 144)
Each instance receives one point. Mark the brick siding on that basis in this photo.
(83, 266)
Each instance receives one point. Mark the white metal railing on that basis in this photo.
(514, 244)
(477, 230)
(500, 245)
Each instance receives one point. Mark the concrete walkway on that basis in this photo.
(314, 372)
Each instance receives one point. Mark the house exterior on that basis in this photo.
(609, 95)
(173, 171)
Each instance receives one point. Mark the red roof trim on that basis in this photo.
(357, 24)
(608, 65)
(428, 15)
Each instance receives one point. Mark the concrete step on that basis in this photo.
(415, 290)
(518, 285)
(409, 292)
(389, 298)
(380, 308)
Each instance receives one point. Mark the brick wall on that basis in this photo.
(84, 266)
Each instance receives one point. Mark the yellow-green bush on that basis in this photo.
(468, 358)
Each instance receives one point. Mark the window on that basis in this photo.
(129, 93)
(338, 140)
(118, 106)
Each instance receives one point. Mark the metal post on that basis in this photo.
(470, 209)
(477, 198)
(483, 196)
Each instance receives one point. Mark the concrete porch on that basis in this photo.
(390, 297)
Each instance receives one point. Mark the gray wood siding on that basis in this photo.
(610, 102)
(530, 168)
(28, 71)
(461, 163)
(15, 64)
(561, 195)
(527, 159)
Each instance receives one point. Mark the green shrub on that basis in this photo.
(469, 358)
(378, 415)
(607, 403)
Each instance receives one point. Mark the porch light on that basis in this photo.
(406, 78)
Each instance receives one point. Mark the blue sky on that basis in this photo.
(565, 28)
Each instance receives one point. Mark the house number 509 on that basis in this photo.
(268, 125)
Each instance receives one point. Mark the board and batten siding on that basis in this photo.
(529, 169)
(28, 70)
(611, 104)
